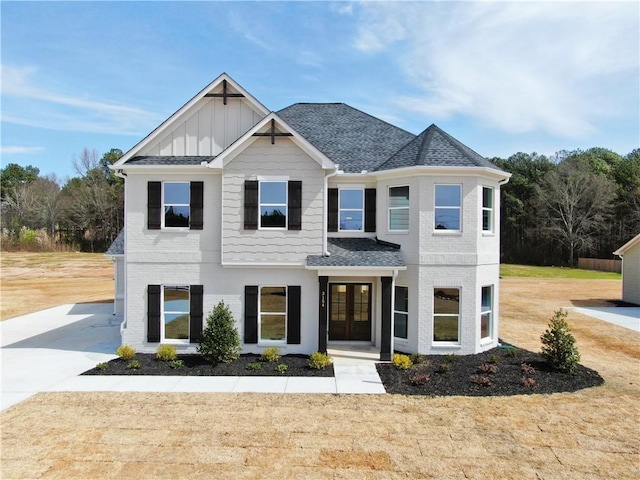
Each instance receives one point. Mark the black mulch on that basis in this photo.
(452, 375)
(195, 365)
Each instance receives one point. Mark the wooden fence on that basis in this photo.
(600, 264)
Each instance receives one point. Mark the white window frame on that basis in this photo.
(434, 315)
(401, 312)
(490, 210)
(285, 204)
(164, 205)
(266, 341)
(436, 207)
(340, 210)
(163, 312)
(390, 208)
(488, 312)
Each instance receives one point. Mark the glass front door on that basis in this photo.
(350, 311)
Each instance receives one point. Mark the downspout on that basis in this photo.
(123, 324)
(393, 307)
(325, 250)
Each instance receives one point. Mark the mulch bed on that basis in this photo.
(452, 375)
(195, 365)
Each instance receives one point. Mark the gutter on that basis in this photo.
(325, 251)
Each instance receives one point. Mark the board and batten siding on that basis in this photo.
(283, 160)
(209, 127)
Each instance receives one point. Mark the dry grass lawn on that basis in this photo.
(591, 434)
(35, 281)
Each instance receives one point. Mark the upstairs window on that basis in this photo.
(487, 209)
(176, 202)
(273, 204)
(351, 210)
(448, 207)
(399, 209)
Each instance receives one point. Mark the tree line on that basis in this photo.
(553, 209)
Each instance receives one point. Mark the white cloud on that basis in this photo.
(17, 150)
(527, 66)
(25, 103)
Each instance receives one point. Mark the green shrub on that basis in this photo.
(176, 364)
(166, 353)
(319, 360)
(220, 342)
(126, 352)
(271, 354)
(133, 365)
(559, 345)
(254, 366)
(511, 352)
(102, 366)
(282, 367)
(401, 362)
(494, 359)
(450, 357)
(443, 368)
(416, 358)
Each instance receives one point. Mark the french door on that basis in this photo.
(350, 311)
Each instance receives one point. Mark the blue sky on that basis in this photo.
(500, 77)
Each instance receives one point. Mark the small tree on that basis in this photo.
(220, 342)
(559, 345)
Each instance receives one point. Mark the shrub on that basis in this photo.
(527, 369)
(559, 345)
(450, 357)
(494, 358)
(176, 364)
(319, 360)
(270, 355)
(102, 366)
(254, 366)
(416, 358)
(511, 352)
(529, 382)
(487, 368)
(443, 368)
(401, 362)
(133, 365)
(481, 380)
(282, 367)
(166, 353)
(220, 342)
(126, 352)
(420, 379)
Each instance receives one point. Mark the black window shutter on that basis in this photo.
(250, 314)
(195, 218)
(293, 314)
(294, 206)
(153, 313)
(251, 205)
(195, 313)
(332, 220)
(370, 210)
(154, 205)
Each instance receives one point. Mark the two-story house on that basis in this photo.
(316, 224)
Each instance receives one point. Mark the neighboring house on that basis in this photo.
(630, 254)
(315, 224)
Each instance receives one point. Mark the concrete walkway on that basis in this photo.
(47, 351)
(627, 317)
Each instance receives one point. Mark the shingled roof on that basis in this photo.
(357, 252)
(349, 137)
(117, 247)
(435, 147)
(168, 160)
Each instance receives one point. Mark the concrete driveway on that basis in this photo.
(628, 317)
(45, 348)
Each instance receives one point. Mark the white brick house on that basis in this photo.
(630, 254)
(315, 224)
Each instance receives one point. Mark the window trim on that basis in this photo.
(285, 204)
(401, 312)
(489, 338)
(362, 210)
(436, 207)
(163, 213)
(163, 312)
(490, 209)
(262, 341)
(407, 208)
(434, 342)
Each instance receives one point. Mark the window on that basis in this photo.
(175, 312)
(399, 208)
(401, 312)
(273, 314)
(448, 207)
(486, 312)
(487, 209)
(176, 201)
(351, 209)
(446, 315)
(273, 204)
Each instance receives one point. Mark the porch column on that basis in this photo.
(385, 341)
(323, 299)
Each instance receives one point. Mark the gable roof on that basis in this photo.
(435, 147)
(169, 160)
(627, 246)
(349, 137)
(117, 247)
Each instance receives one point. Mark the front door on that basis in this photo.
(350, 311)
